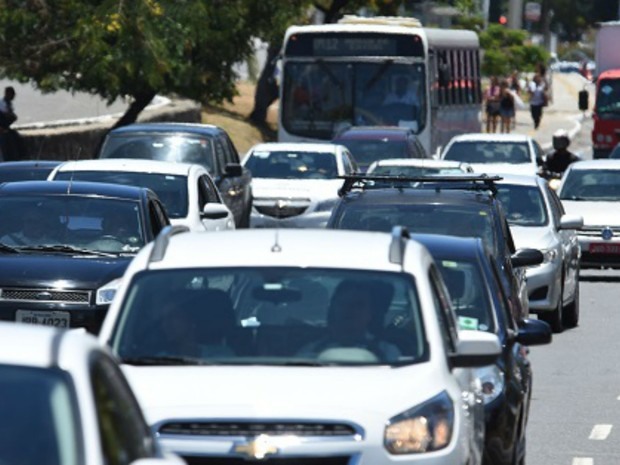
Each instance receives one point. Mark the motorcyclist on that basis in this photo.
(557, 162)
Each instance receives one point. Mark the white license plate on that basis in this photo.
(57, 319)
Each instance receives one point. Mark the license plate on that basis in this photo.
(603, 248)
(57, 319)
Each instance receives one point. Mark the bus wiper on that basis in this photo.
(65, 249)
(4, 248)
(380, 72)
(163, 360)
(330, 73)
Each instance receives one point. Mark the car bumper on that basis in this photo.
(307, 220)
(543, 286)
(89, 317)
(599, 253)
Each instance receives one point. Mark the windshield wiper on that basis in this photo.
(163, 360)
(65, 249)
(8, 249)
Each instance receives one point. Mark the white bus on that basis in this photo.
(379, 71)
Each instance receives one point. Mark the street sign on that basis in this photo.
(532, 12)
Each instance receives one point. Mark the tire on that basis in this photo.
(555, 317)
(571, 311)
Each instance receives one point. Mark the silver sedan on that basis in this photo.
(537, 220)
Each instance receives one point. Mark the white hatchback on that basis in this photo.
(300, 348)
(186, 190)
(65, 401)
(296, 184)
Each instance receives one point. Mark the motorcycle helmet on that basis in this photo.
(560, 140)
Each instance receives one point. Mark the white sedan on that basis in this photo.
(496, 153)
(592, 189)
(186, 190)
(66, 402)
(537, 220)
(296, 184)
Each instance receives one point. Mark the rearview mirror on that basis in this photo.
(475, 349)
(233, 170)
(214, 211)
(526, 257)
(571, 222)
(533, 332)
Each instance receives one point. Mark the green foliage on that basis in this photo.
(505, 50)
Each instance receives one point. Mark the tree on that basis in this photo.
(137, 48)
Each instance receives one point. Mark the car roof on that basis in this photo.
(193, 128)
(80, 188)
(284, 248)
(296, 147)
(407, 195)
(38, 346)
(373, 132)
(599, 164)
(129, 165)
(29, 165)
(491, 137)
(421, 162)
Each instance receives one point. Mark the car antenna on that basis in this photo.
(275, 248)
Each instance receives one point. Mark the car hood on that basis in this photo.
(281, 392)
(314, 189)
(48, 270)
(535, 237)
(504, 168)
(593, 213)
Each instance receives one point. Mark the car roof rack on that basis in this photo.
(456, 181)
(163, 238)
(400, 235)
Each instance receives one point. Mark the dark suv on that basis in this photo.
(203, 144)
(372, 143)
(452, 205)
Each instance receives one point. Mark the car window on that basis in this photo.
(207, 192)
(233, 155)
(501, 293)
(523, 205)
(444, 312)
(272, 316)
(555, 205)
(367, 151)
(124, 435)
(157, 217)
(291, 164)
(488, 152)
(591, 185)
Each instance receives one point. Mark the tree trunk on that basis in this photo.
(266, 88)
(135, 108)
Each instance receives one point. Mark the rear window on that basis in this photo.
(367, 151)
(271, 316)
(292, 165)
(489, 152)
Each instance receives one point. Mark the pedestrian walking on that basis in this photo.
(538, 99)
(506, 107)
(11, 143)
(491, 99)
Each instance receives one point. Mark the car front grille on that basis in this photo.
(597, 231)
(44, 295)
(281, 207)
(281, 212)
(208, 428)
(338, 460)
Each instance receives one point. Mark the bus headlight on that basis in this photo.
(424, 428)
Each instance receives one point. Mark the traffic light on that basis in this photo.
(503, 20)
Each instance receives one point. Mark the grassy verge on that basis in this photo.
(233, 117)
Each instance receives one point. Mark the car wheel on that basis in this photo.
(555, 317)
(571, 311)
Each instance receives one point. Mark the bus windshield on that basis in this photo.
(321, 97)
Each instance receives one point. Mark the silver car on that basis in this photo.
(537, 220)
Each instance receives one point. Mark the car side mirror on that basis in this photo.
(475, 349)
(571, 222)
(214, 211)
(533, 332)
(526, 257)
(233, 170)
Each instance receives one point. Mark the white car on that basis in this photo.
(296, 184)
(496, 153)
(412, 167)
(537, 220)
(186, 190)
(65, 401)
(592, 189)
(302, 349)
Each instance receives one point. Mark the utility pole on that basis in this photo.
(515, 14)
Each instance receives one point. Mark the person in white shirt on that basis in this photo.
(538, 99)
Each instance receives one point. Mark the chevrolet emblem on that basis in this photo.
(256, 448)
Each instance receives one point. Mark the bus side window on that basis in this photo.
(443, 75)
(477, 77)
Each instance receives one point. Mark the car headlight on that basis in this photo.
(326, 205)
(549, 255)
(424, 428)
(492, 380)
(105, 294)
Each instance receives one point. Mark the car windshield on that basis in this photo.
(182, 148)
(593, 184)
(420, 218)
(171, 189)
(412, 171)
(22, 174)
(319, 98)
(488, 152)
(98, 224)
(292, 164)
(469, 294)
(370, 150)
(271, 316)
(608, 99)
(39, 424)
(524, 205)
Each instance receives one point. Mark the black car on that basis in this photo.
(27, 170)
(203, 144)
(66, 245)
(453, 205)
(372, 143)
(471, 275)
